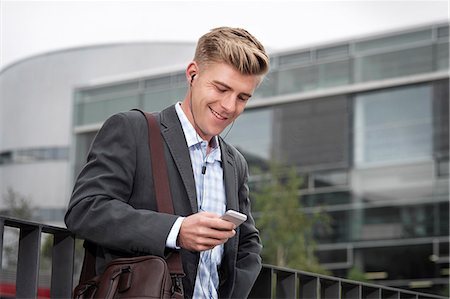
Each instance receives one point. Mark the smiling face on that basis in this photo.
(217, 96)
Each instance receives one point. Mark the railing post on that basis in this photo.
(371, 293)
(62, 254)
(390, 294)
(309, 286)
(28, 262)
(272, 282)
(286, 284)
(351, 290)
(330, 289)
(263, 285)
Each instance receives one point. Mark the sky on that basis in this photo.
(30, 28)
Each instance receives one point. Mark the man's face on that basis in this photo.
(218, 96)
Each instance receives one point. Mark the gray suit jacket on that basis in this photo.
(113, 202)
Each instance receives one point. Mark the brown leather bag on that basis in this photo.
(137, 277)
(143, 276)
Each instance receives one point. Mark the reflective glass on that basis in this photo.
(334, 73)
(326, 199)
(160, 82)
(99, 111)
(332, 256)
(443, 32)
(394, 64)
(332, 52)
(394, 40)
(393, 125)
(267, 88)
(88, 94)
(339, 228)
(442, 56)
(297, 79)
(158, 100)
(294, 59)
(399, 262)
(251, 134)
(330, 179)
(82, 144)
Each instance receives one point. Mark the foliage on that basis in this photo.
(286, 232)
(17, 205)
(357, 274)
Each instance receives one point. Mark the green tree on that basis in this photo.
(357, 274)
(17, 205)
(286, 232)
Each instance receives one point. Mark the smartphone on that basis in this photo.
(235, 217)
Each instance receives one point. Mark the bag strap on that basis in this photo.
(161, 181)
(159, 167)
(163, 200)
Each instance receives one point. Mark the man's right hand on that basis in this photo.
(204, 231)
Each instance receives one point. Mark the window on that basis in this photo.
(251, 134)
(394, 64)
(392, 41)
(393, 125)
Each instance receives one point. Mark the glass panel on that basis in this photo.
(179, 79)
(251, 134)
(443, 218)
(178, 94)
(418, 221)
(442, 168)
(394, 64)
(99, 111)
(158, 100)
(295, 59)
(330, 178)
(400, 262)
(332, 52)
(88, 94)
(332, 256)
(394, 40)
(298, 79)
(82, 144)
(335, 73)
(339, 228)
(442, 56)
(442, 32)
(313, 133)
(267, 88)
(381, 223)
(325, 199)
(393, 125)
(161, 82)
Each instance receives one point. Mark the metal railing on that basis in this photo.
(276, 282)
(272, 282)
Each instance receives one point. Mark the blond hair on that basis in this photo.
(234, 46)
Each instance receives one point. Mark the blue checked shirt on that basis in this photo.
(210, 197)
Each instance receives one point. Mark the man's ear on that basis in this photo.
(191, 72)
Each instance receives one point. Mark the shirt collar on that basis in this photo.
(192, 137)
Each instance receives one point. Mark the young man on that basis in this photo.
(113, 202)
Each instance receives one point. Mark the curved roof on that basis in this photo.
(183, 46)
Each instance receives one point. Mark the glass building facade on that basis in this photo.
(366, 124)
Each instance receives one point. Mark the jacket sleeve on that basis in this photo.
(248, 263)
(99, 208)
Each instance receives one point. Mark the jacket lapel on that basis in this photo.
(172, 133)
(230, 177)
